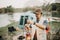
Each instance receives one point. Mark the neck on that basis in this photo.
(38, 18)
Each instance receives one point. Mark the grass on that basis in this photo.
(4, 31)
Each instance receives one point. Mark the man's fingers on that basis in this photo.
(29, 21)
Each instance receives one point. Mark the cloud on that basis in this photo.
(14, 3)
(22, 3)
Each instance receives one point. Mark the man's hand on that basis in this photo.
(27, 27)
(30, 22)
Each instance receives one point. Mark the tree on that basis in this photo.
(10, 9)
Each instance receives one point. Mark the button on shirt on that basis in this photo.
(41, 34)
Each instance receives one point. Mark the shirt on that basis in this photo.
(41, 34)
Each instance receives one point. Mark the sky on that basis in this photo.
(57, 1)
(22, 3)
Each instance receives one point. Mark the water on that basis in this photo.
(5, 18)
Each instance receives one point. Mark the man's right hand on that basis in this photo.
(27, 27)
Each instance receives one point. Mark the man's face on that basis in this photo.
(38, 15)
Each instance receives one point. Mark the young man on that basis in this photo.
(39, 26)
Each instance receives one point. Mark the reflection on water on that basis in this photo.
(5, 19)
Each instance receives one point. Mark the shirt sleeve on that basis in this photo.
(45, 23)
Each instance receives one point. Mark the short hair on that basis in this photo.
(37, 10)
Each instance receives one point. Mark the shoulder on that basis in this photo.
(45, 20)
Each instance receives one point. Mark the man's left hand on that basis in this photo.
(30, 22)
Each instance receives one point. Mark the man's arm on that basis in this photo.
(39, 26)
(36, 24)
(44, 26)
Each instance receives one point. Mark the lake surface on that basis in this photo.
(5, 18)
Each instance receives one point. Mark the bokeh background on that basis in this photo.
(11, 10)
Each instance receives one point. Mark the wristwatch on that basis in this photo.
(30, 26)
